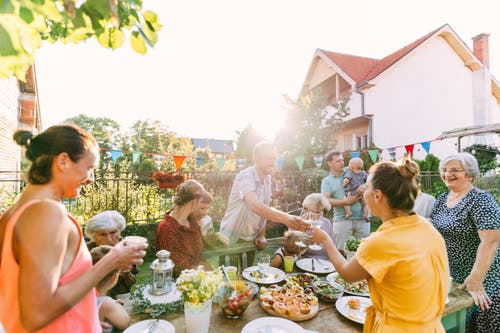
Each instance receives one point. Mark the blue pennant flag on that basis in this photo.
(115, 154)
(280, 160)
(355, 154)
(199, 161)
(426, 145)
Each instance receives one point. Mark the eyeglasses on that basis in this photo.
(451, 171)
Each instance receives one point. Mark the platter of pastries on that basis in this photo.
(289, 301)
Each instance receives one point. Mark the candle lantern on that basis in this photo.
(162, 269)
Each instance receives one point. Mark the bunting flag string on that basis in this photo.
(426, 145)
(374, 155)
(178, 160)
(220, 162)
(409, 149)
(115, 154)
(300, 161)
(199, 160)
(318, 159)
(280, 161)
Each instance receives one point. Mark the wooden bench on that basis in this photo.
(240, 249)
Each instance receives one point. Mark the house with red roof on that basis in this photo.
(413, 95)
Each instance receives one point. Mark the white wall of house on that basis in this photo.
(425, 93)
(9, 150)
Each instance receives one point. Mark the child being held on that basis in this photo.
(290, 248)
(354, 177)
(111, 312)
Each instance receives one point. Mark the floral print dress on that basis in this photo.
(459, 227)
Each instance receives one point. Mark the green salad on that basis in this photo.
(352, 243)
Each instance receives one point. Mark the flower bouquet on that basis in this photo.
(166, 179)
(198, 287)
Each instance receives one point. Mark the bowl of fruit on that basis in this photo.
(327, 291)
(235, 299)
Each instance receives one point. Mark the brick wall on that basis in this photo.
(9, 106)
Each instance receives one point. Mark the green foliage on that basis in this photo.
(25, 24)
(430, 163)
(310, 125)
(245, 143)
(8, 195)
(486, 156)
(144, 202)
(142, 304)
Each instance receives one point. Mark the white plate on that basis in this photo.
(331, 278)
(324, 266)
(274, 275)
(357, 316)
(272, 324)
(141, 327)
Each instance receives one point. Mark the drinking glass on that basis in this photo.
(263, 261)
(314, 218)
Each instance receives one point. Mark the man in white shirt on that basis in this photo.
(248, 208)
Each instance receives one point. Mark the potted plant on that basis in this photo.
(166, 179)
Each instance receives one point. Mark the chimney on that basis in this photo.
(481, 48)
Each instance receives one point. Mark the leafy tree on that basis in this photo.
(430, 163)
(486, 156)
(106, 131)
(25, 24)
(246, 141)
(311, 124)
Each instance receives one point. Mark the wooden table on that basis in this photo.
(328, 318)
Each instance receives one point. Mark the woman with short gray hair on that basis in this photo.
(469, 221)
(106, 228)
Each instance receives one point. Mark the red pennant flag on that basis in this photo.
(178, 161)
(409, 149)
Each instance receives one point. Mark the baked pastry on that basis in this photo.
(354, 303)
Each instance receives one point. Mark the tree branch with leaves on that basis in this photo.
(25, 24)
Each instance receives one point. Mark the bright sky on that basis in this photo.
(221, 65)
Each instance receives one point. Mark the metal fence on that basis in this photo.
(139, 199)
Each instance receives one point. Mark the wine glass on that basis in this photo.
(314, 218)
(263, 261)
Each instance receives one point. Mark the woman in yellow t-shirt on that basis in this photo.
(404, 261)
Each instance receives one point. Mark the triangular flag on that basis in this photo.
(409, 149)
(318, 159)
(199, 160)
(300, 161)
(241, 163)
(136, 157)
(373, 155)
(115, 154)
(392, 153)
(220, 162)
(355, 154)
(280, 161)
(426, 145)
(178, 161)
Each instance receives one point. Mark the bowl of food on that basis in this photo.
(235, 299)
(327, 291)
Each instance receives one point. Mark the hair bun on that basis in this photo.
(23, 137)
(408, 168)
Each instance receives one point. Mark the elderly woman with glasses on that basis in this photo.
(469, 220)
(106, 228)
(404, 262)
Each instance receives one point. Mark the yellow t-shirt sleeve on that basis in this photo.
(373, 257)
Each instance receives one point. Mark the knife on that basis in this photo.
(312, 264)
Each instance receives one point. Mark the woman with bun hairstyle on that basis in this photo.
(404, 261)
(179, 233)
(46, 275)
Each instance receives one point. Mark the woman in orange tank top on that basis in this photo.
(46, 275)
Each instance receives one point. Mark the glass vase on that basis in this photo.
(197, 316)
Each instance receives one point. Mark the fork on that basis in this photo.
(320, 264)
(153, 326)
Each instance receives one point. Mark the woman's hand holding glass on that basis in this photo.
(127, 255)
